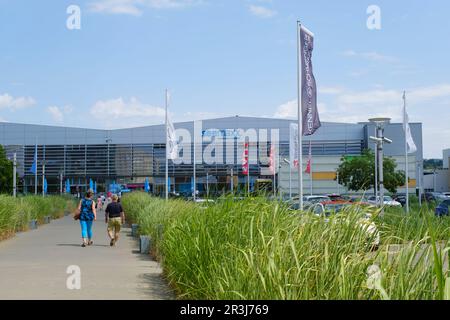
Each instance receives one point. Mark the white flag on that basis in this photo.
(172, 143)
(408, 136)
(293, 145)
(171, 139)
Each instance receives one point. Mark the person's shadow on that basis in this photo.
(79, 245)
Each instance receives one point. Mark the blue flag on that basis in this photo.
(67, 186)
(146, 185)
(45, 186)
(91, 185)
(33, 168)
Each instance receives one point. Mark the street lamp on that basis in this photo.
(380, 139)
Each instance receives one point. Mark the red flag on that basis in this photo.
(271, 161)
(308, 165)
(245, 159)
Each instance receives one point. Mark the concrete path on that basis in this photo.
(33, 265)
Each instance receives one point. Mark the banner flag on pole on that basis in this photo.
(168, 183)
(272, 167)
(67, 186)
(293, 145)
(308, 165)
(45, 185)
(172, 143)
(245, 160)
(147, 185)
(33, 168)
(411, 146)
(310, 115)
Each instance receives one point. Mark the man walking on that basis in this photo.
(114, 217)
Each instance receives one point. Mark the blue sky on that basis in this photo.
(222, 58)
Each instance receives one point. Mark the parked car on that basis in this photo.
(434, 196)
(387, 201)
(338, 197)
(328, 208)
(443, 208)
(308, 202)
(400, 197)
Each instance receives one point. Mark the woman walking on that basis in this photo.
(88, 215)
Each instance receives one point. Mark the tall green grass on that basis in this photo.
(259, 249)
(15, 213)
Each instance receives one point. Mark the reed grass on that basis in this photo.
(259, 249)
(15, 213)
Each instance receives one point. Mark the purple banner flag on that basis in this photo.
(310, 114)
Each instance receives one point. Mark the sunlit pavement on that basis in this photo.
(33, 265)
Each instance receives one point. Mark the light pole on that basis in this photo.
(232, 180)
(337, 180)
(376, 169)
(420, 176)
(207, 184)
(434, 180)
(380, 139)
(14, 175)
(61, 182)
(290, 177)
(43, 177)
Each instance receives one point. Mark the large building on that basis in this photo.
(439, 180)
(129, 156)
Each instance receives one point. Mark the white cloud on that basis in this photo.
(330, 90)
(119, 113)
(425, 104)
(192, 116)
(136, 7)
(372, 56)
(289, 110)
(56, 114)
(261, 11)
(9, 102)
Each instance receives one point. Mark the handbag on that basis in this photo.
(76, 216)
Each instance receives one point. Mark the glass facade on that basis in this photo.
(132, 163)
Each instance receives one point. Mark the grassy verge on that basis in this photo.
(16, 213)
(257, 249)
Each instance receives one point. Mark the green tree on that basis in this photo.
(6, 172)
(358, 173)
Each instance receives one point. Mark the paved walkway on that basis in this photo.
(33, 265)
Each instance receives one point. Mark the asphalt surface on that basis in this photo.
(34, 265)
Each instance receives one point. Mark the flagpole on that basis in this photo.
(167, 152)
(36, 168)
(248, 170)
(290, 180)
(376, 169)
(310, 165)
(406, 154)
(300, 125)
(195, 160)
